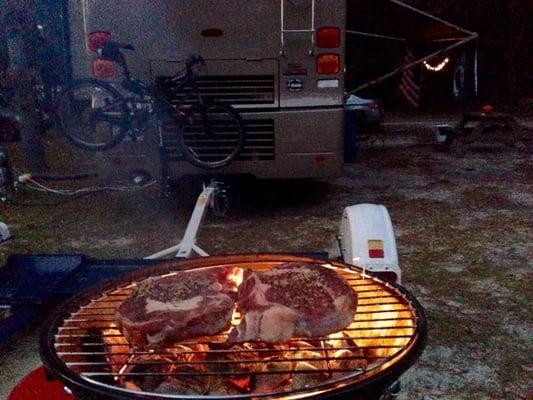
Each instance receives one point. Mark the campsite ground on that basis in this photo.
(464, 229)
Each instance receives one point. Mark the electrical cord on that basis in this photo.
(35, 185)
(69, 197)
(71, 194)
(64, 177)
(93, 189)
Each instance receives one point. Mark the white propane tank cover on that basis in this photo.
(367, 239)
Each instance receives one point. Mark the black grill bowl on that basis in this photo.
(366, 388)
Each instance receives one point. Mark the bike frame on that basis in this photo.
(157, 100)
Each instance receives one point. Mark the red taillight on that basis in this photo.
(97, 39)
(103, 68)
(328, 64)
(376, 249)
(376, 253)
(328, 37)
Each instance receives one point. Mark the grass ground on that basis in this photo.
(464, 231)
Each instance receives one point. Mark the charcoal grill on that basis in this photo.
(82, 347)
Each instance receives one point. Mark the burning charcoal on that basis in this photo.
(274, 381)
(247, 359)
(186, 384)
(188, 360)
(314, 361)
(349, 360)
(305, 379)
(353, 359)
(146, 364)
(190, 353)
(115, 348)
(268, 359)
(233, 360)
(221, 385)
(240, 358)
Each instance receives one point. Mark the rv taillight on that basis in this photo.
(103, 68)
(328, 37)
(97, 39)
(328, 64)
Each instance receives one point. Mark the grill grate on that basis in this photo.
(386, 325)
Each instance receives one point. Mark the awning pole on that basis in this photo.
(375, 35)
(476, 66)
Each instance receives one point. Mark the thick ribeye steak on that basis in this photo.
(294, 299)
(185, 305)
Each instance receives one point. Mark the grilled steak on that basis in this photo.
(294, 299)
(185, 305)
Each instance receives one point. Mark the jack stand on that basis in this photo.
(210, 197)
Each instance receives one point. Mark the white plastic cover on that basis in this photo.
(367, 239)
(4, 232)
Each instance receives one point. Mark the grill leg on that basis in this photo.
(392, 392)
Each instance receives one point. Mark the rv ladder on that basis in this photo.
(298, 31)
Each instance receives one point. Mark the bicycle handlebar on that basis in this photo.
(194, 59)
(188, 72)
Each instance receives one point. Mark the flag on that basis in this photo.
(408, 87)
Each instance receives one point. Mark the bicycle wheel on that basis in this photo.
(92, 114)
(212, 135)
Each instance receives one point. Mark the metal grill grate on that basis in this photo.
(386, 326)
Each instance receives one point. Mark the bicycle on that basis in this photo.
(95, 116)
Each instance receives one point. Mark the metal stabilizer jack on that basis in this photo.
(213, 196)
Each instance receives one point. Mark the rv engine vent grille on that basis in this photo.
(259, 140)
(235, 89)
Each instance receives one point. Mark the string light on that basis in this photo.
(438, 67)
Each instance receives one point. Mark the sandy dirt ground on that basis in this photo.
(463, 225)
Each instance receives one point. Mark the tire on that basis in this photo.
(80, 126)
(212, 135)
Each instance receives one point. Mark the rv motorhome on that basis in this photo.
(280, 63)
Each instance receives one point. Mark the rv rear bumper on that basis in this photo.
(306, 143)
